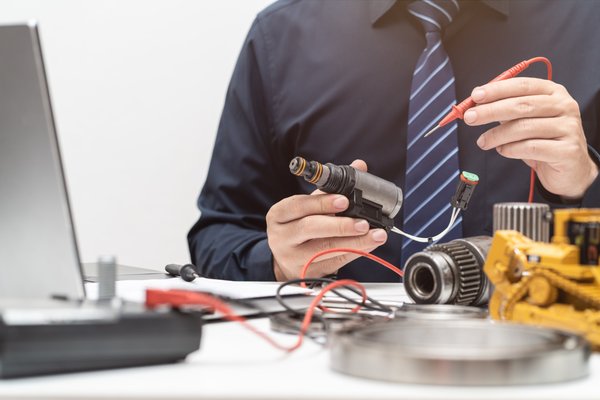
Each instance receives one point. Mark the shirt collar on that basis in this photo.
(378, 8)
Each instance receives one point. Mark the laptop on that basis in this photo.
(38, 249)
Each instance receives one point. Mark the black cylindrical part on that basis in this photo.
(344, 179)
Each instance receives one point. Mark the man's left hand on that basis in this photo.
(540, 123)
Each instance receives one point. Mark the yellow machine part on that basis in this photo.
(544, 283)
(563, 217)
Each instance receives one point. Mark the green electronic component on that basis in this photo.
(471, 177)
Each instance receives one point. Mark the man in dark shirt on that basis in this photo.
(330, 81)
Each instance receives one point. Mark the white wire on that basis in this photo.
(435, 238)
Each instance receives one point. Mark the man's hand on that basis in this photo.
(300, 226)
(540, 123)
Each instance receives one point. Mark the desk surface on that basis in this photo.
(235, 364)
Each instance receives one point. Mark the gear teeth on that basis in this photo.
(469, 272)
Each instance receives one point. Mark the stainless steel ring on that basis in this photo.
(468, 352)
(439, 312)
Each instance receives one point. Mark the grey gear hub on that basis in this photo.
(449, 273)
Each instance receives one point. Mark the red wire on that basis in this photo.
(155, 297)
(229, 315)
(532, 173)
(381, 261)
(531, 185)
(178, 297)
(545, 61)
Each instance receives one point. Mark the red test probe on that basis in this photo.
(458, 110)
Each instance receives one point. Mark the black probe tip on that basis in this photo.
(188, 272)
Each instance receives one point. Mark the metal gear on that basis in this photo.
(468, 271)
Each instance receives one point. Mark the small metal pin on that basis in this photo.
(431, 131)
(107, 276)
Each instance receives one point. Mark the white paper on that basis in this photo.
(390, 292)
(135, 290)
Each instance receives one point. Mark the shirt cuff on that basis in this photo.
(591, 197)
(259, 265)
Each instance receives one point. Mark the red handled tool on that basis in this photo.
(183, 298)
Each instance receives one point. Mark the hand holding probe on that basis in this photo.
(187, 272)
(459, 110)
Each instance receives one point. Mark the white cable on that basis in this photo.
(455, 212)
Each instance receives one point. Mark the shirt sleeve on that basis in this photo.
(229, 240)
(591, 197)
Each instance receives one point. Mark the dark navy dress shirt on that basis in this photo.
(330, 81)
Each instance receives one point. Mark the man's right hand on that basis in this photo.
(300, 226)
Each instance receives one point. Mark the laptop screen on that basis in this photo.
(38, 249)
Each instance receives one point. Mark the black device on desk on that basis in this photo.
(39, 259)
(55, 337)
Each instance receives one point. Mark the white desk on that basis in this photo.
(233, 363)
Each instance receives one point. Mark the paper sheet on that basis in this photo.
(135, 290)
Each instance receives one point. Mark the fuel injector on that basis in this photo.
(371, 198)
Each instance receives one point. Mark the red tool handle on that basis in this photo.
(459, 110)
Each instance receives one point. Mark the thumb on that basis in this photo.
(359, 165)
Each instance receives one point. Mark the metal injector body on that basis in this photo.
(371, 198)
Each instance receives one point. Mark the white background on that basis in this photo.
(137, 88)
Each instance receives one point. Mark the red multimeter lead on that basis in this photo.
(459, 110)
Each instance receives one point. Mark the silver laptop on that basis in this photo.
(38, 249)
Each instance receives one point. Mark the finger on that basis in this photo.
(531, 164)
(547, 151)
(324, 226)
(299, 206)
(515, 87)
(536, 106)
(522, 129)
(359, 165)
(371, 240)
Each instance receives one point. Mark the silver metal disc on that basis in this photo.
(439, 312)
(467, 352)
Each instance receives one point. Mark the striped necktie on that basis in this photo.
(431, 163)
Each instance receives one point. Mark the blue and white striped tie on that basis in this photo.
(431, 163)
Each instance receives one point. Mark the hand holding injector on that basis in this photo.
(373, 198)
(302, 225)
(356, 210)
